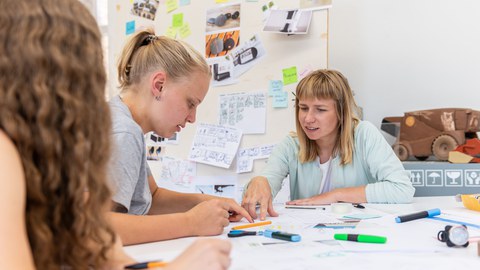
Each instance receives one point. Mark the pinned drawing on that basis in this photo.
(215, 145)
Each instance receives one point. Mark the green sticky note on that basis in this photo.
(171, 5)
(289, 75)
(171, 32)
(177, 20)
(184, 31)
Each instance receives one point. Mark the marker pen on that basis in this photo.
(418, 215)
(146, 265)
(282, 235)
(360, 238)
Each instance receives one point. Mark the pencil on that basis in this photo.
(146, 265)
(239, 227)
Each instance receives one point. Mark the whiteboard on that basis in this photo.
(305, 51)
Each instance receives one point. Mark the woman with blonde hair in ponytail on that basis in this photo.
(333, 156)
(55, 145)
(162, 82)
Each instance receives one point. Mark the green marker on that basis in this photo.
(361, 238)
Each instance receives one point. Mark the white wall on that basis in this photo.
(407, 55)
(282, 52)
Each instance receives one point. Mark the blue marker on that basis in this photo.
(419, 215)
(282, 235)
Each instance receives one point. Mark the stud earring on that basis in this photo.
(157, 98)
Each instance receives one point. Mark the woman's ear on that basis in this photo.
(158, 80)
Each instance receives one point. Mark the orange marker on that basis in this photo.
(239, 227)
(146, 265)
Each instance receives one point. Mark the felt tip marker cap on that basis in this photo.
(282, 235)
(364, 238)
(418, 215)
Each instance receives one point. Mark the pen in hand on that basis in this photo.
(147, 265)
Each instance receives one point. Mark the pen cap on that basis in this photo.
(434, 212)
(268, 233)
(282, 235)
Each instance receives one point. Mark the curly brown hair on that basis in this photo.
(52, 106)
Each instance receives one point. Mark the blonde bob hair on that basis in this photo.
(145, 53)
(328, 84)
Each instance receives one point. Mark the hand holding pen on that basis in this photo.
(202, 254)
(211, 216)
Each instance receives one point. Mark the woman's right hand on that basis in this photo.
(259, 192)
(204, 253)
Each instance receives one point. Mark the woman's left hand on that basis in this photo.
(324, 198)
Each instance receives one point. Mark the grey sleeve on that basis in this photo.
(125, 167)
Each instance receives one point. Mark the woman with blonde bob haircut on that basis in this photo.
(55, 145)
(333, 156)
(162, 82)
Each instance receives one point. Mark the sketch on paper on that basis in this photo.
(176, 172)
(246, 156)
(246, 111)
(215, 145)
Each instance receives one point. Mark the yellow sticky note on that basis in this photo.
(177, 20)
(220, 1)
(289, 75)
(171, 5)
(184, 31)
(171, 32)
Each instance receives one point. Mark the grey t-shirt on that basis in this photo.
(129, 169)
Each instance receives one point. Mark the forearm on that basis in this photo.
(349, 194)
(134, 229)
(165, 201)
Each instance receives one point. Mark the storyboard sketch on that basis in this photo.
(246, 111)
(246, 156)
(215, 145)
(176, 172)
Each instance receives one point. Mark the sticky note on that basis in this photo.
(274, 87)
(280, 100)
(130, 27)
(171, 5)
(289, 75)
(184, 2)
(220, 1)
(171, 32)
(184, 30)
(177, 20)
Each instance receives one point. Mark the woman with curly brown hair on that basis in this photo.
(55, 144)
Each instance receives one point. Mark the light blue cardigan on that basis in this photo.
(374, 164)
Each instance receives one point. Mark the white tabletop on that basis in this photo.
(410, 245)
